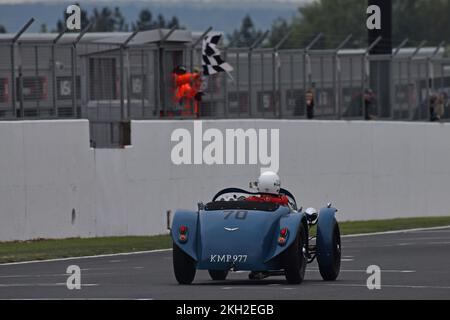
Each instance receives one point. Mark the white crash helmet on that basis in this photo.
(269, 182)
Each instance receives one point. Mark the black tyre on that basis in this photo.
(295, 257)
(330, 270)
(183, 266)
(218, 274)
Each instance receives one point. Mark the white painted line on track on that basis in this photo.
(53, 275)
(34, 275)
(393, 232)
(59, 299)
(166, 250)
(85, 257)
(382, 286)
(364, 270)
(59, 284)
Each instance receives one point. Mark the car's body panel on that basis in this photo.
(292, 223)
(190, 220)
(238, 239)
(324, 240)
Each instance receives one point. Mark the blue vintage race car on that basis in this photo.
(230, 234)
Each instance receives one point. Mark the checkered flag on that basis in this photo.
(212, 62)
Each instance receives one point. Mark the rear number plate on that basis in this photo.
(228, 258)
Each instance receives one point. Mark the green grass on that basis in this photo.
(15, 251)
(42, 249)
(355, 227)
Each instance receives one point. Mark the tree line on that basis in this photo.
(414, 19)
(112, 20)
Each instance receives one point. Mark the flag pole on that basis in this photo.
(231, 77)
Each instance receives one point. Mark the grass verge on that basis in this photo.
(42, 249)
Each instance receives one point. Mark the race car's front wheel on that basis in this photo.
(218, 274)
(329, 268)
(295, 257)
(183, 266)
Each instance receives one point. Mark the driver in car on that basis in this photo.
(269, 188)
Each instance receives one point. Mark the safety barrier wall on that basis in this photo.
(53, 185)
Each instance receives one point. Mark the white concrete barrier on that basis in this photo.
(53, 185)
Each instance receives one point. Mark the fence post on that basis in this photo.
(54, 42)
(309, 47)
(278, 68)
(276, 53)
(393, 91)
(410, 58)
(225, 87)
(13, 67)
(430, 67)
(337, 74)
(276, 95)
(13, 82)
(249, 70)
(74, 68)
(365, 60)
(21, 106)
(161, 61)
(255, 44)
(122, 84)
(124, 51)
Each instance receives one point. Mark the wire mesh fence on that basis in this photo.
(112, 83)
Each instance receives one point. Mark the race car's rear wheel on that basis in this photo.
(295, 257)
(218, 274)
(183, 266)
(329, 269)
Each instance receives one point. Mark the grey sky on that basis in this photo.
(155, 1)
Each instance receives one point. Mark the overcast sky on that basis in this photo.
(154, 1)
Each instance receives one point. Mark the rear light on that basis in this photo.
(282, 238)
(182, 233)
(183, 230)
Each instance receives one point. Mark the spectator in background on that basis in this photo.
(309, 100)
(368, 100)
(436, 106)
(361, 105)
(445, 103)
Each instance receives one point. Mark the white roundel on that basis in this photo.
(269, 182)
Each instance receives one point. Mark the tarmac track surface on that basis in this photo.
(414, 265)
